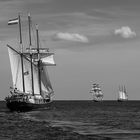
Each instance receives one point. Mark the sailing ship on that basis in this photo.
(123, 96)
(32, 88)
(96, 92)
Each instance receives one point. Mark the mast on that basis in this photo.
(39, 61)
(124, 89)
(21, 46)
(30, 44)
(126, 96)
(20, 35)
(120, 92)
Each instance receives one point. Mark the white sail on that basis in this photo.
(49, 60)
(36, 80)
(46, 84)
(100, 93)
(15, 62)
(125, 96)
(122, 94)
(27, 75)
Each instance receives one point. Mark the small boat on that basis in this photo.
(122, 96)
(31, 88)
(96, 93)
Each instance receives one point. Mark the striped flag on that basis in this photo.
(13, 21)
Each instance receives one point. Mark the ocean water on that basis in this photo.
(110, 120)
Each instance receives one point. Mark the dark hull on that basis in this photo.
(121, 100)
(24, 106)
(97, 100)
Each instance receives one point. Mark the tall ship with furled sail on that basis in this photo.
(122, 96)
(32, 88)
(96, 92)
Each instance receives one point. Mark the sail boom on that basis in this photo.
(35, 55)
(13, 49)
(43, 64)
(35, 50)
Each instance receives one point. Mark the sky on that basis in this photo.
(93, 41)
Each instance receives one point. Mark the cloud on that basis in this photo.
(72, 37)
(125, 32)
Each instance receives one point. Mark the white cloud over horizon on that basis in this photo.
(72, 37)
(125, 32)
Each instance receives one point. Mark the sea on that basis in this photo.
(73, 120)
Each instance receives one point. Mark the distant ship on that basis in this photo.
(32, 88)
(122, 96)
(96, 92)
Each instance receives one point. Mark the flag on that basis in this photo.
(13, 21)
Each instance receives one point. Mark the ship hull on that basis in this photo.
(24, 106)
(121, 100)
(97, 100)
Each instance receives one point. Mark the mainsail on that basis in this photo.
(15, 62)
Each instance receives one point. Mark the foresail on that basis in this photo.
(46, 84)
(15, 62)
